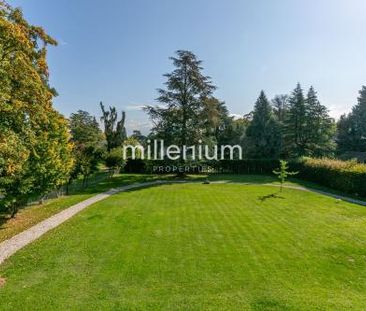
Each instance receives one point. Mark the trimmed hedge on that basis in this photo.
(247, 166)
(345, 176)
(135, 166)
(216, 167)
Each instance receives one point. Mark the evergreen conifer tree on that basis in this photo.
(264, 132)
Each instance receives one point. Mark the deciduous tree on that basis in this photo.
(88, 142)
(36, 153)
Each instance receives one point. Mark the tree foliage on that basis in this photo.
(187, 96)
(36, 154)
(308, 128)
(351, 128)
(88, 142)
(321, 127)
(114, 160)
(283, 172)
(280, 107)
(85, 128)
(264, 131)
(114, 131)
(295, 128)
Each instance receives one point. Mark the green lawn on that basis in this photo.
(33, 214)
(197, 247)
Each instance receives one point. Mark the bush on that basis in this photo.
(114, 160)
(135, 166)
(345, 176)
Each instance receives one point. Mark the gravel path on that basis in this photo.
(12, 245)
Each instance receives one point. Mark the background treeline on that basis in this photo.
(41, 151)
(296, 127)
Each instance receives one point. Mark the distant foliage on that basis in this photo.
(351, 128)
(85, 129)
(88, 142)
(280, 107)
(264, 131)
(307, 127)
(114, 130)
(135, 166)
(114, 160)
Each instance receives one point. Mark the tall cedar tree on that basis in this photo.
(264, 132)
(179, 117)
(114, 131)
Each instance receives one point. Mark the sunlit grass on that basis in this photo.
(197, 247)
(31, 215)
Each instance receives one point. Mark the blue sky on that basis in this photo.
(116, 51)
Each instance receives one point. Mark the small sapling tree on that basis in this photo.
(282, 173)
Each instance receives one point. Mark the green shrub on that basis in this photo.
(135, 166)
(114, 160)
(345, 176)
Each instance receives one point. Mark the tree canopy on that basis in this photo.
(114, 131)
(36, 153)
(178, 117)
(264, 131)
(40, 150)
(351, 129)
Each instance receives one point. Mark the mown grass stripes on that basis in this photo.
(194, 247)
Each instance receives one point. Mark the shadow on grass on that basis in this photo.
(260, 179)
(101, 182)
(275, 195)
(268, 179)
(129, 179)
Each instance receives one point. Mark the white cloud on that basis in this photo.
(61, 42)
(236, 116)
(337, 111)
(134, 107)
(141, 125)
(139, 107)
